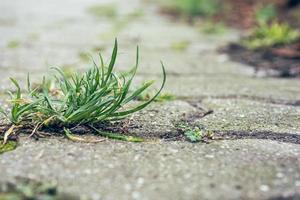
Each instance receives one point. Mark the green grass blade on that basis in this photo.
(137, 92)
(102, 70)
(63, 75)
(28, 83)
(116, 136)
(74, 138)
(3, 112)
(17, 86)
(112, 61)
(124, 113)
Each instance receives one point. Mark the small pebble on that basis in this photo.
(264, 188)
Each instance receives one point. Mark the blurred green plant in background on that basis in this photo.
(265, 14)
(267, 35)
(198, 7)
(211, 27)
(109, 10)
(192, 8)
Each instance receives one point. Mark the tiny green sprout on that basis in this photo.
(194, 135)
(197, 135)
(79, 99)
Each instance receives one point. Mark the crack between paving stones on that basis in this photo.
(260, 135)
(284, 102)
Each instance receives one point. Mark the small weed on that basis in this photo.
(109, 11)
(99, 95)
(269, 35)
(13, 44)
(194, 133)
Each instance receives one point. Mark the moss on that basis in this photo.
(84, 57)
(9, 146)
(33, 36)
(160, 98)
(135, 14)
(31, 190)
(192, 8)
(13, 44)
(109, 11)
(212, 28)
(119, 23)
(180, 45)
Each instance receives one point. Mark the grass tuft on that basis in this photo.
(99, 95)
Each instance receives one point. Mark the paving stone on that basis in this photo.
(257, 117)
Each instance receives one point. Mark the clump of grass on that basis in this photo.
(99, 95)
(267, 35)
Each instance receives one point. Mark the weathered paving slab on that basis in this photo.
(249, 115)
(257, 118)
(238, 169)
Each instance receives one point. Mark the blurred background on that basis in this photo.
(195, 35)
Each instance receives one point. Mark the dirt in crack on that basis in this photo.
(267, 60)
(260, 135)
